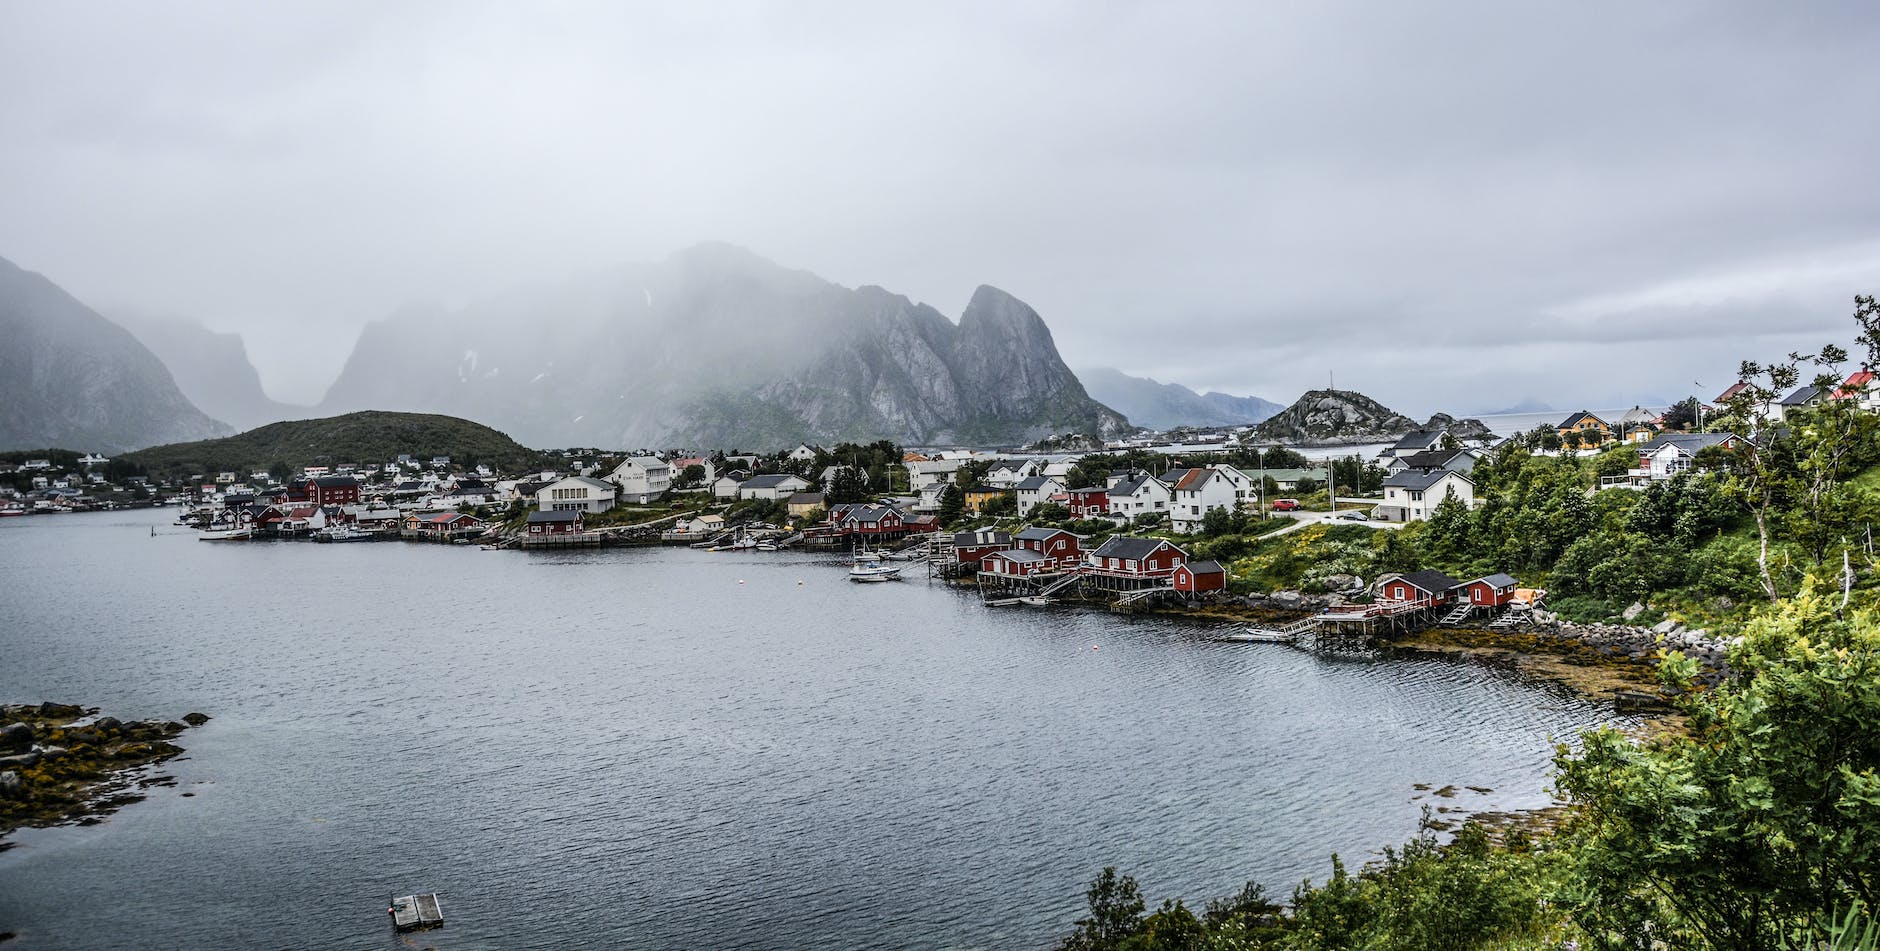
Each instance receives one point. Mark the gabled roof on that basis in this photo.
(1123, 546)
(1688, 444)
(648, 463)
(336, 482)
(1417, 480)
(589, 482)
(1802, 397)
(1434, 582)
(1855, 384)
(539, 518)
(981, 538)
(1418, 440)
(1205, 567)
(1578, 418)
(1132, 486)
(1019, 555)
(806, 498)
(1496, 580)
(769, 480)
(875, 513)
(1731, 393)
(1035, 483)
(1431, 458)
(1039, 533)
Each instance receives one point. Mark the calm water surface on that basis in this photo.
(678, 749)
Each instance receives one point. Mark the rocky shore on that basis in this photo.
(62, 763)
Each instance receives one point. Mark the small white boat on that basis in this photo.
(1258, 635)
(767, 546)
(1038, 601)
(874, 571)
(228, 535)
(342, 533)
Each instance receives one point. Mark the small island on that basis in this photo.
(63, 764)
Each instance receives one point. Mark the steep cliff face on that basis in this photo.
(1168, 405)
(1335, 416)
(71, 379)
(716, 346)
(212, 369)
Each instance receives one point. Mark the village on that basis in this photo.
(1110, 526)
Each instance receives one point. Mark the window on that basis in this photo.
(1416, 496)
(1130, 564)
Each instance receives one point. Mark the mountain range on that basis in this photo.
(1168, 405)
(716, 346)
(70, 378)
(212, 369)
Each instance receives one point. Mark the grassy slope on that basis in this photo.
(366, 437)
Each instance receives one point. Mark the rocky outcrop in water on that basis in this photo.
(70, 379)
(718, 347)
(1463, 429)
(64, 765)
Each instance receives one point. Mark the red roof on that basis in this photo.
(1856, 383)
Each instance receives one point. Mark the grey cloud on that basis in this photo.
(1295, 186)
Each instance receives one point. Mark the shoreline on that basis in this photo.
(62, 764)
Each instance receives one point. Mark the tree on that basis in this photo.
(691, 476)
(1682, 415)
(1116, 908)
(1759, 823)
(848, 484)
(952, 505)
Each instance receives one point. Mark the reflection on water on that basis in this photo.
(669, 748)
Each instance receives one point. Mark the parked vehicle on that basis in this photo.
(1285, 505)
(1354, 516)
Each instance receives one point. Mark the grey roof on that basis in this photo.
(1418, 439)
(769, 480)
(537, 518)
(1018, 554)
(1124, 546)
(1430, 458)
(806, 498)
(589, 482)
(1038, 533)
(1131, 486)
(1434, 582)
(1498, 580)
(1577, 418)
(1688, 443)
(981, 538)
(336, 482)
(1417, 480)
(1802, 397)
(1035, 483)
(1206, 567)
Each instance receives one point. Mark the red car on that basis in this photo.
(1285, 505)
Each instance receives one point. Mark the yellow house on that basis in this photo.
(1593, 430)
(804, 503)
(976, 498)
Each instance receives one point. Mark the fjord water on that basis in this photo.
(667, 748)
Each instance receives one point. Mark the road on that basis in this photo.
(1302, 519)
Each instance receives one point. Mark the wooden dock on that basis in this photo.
(414, 912)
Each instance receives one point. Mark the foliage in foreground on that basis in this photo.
(1758, 827)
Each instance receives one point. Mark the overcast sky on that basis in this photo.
(1452, 206)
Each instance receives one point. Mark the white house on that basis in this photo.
(726, 487)
(1417, 441)
(804, 452)
(923, 474)
(576, 494)
(1036, 491)
(1210, 487)
(1139, 495)
(1672, 453)
(1009, 473)
(772, 486)
(1411, 495)
(1455, 460)
(641, 479)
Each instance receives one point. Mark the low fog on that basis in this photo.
(1450, 206)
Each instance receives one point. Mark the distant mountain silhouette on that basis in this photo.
(212, 369)
(71, 379)
(1167, 405)
(716, 346)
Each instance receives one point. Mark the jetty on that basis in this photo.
(414, 912)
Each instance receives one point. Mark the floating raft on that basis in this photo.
(413, 912)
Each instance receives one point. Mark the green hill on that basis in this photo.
(363, 438)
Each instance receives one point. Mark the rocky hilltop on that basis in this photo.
(212, 369)
(1334, 416)
(71, 379)
(716, 346)
(1167, 405)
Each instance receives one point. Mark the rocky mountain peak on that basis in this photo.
(1335, 416)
